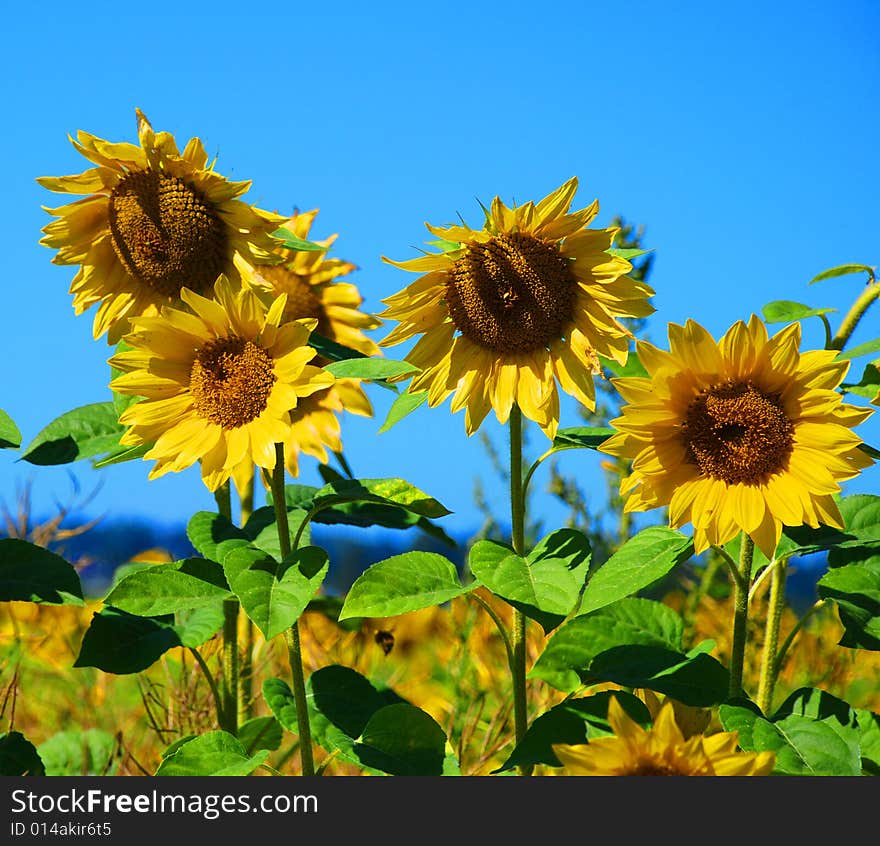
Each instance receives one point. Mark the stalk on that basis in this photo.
(769, 658)
(246, 676)
(291, 636)
(741, 586)
(854, 315)
(230, 635)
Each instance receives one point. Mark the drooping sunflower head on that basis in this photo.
(661, 750)
(152, 221)
(746, 434)
(310, 280)
(506, 312)
(218, 382)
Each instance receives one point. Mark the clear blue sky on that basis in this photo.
(744, 137)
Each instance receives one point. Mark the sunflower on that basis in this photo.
(309, 279)
(217, 383)
(661, 750)
(507, 311)
(745, 434)
(153, 221)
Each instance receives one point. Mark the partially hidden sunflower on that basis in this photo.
(311, 282)
(152, 221)
(744, 435)
(217, 383)
(662, 750)
(508, 311)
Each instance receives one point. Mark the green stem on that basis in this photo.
(215, 692)
(769, 663)
(246, 676)
(499, 624)
(854, 315)
(294, 651)
(517, 520)
(229, 723)
(740, 615)
(780, 655)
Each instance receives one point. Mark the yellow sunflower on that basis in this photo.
(661, 750)
(745, 434)
(309, 279)
(218, 382)
(507, 311)
(153, 221)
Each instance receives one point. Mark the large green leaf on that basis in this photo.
(641, 561)
(581, 437)
(289, 241)
(268, 538)
(546, 584)
(166, 588)
(31, 573)
(402, 740)
(198, 625)
(869, 740)
(869, 384)
(403, 583)
(573, 646)
(216, 753)
(81, 433)
(856, 590)
(260, 733)
(380, 514)
(370, 369)
(18, 756)
(387, 491)
(843, 270)
(273, 594)
(812, 733)
(213, 535)
(122, 643)
(572, 721)
(10, 437)
(404, 405)
(695, 678)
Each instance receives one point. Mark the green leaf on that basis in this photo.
(641, 561)
(290, 241)
(121, 455)
(216, 753)
(380, 514)
(868, 386)
(273, 594)
(328, 348)
(267, 538)
(405, 404)
(787, 311)
(445, 246)
(18, 756)
(199, 625)
(573, 646)
(572, 721)
(695, 679)
(121, 401)
(811, 734)
(260, 733)
(633, 366)
(121, 643)
(81, 433)
(582, 437)
(402, 740)
(628, 252)
(166, 588)
(10, 437)
(869, 740)
(546, 585)
(388, 491)
(402, 583)
(370, 369)
(76, 752)
(30, 573)
(867, 348)
(213, 535)
(856, 590)
(843, 270)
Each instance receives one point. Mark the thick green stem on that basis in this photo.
(222, 497)
(246, 676)
(769, 661)
(294, 652)
(854, 315)
(740, 615)
(518, 635)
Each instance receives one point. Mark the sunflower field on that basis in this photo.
(661, 639)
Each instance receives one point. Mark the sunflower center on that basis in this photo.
(230, 380)
(654, 768)
(737, 434)
(513, 294)
(302, 301)
(166, 234)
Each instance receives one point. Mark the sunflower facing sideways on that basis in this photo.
(310, 281)
(152, 221)
(507, 311)
(744, 435)
(218, 382)
(662, 750)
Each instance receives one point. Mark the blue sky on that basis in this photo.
(743, 138)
